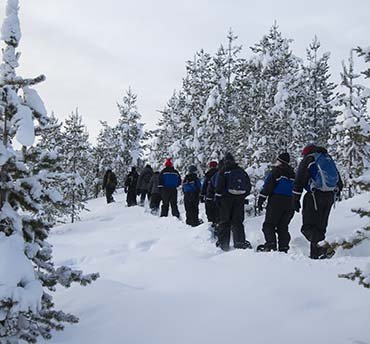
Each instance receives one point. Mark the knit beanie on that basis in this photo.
(212, 164)
(168, 163)
(308, 149)
(284, 158)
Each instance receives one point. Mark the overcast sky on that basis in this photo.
(91, 51)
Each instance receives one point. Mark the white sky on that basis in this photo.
(91, 51)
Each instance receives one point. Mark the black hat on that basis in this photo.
(192, 169)
(284, 158)
(229, 157)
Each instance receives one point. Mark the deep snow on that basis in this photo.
(163, 282)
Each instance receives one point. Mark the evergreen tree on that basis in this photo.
(28, 273)
(363, 182)
(317, 115)
(350, 136)
(128, 136)
(219, 117)
(51, 144)
(76, 163)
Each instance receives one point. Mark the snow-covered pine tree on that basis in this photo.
(272, 74)
(75, 153)
(219, 114)
(317, 114)
(28, 273)
(196, 88)
(166, 138)
(363, 182)
(128, 136)
(50, 144)
(350, 136)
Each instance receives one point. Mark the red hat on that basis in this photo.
(212, 164)
(308, 149)
(168, 163)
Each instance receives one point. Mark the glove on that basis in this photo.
(297, 203)
(260, 202)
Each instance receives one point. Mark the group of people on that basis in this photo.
(225, 187)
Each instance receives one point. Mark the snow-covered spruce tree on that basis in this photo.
(28, 273)
(128, 133)
(274, 70)
(196, 87)
(350, 136)
(317, 114)
(75, 152)
(50, 144)
(363, 182)
(219, 114)
(166, 138)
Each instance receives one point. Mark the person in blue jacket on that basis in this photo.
(169, 181)
(191, 188)
(278, 189)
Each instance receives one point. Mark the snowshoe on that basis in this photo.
(265, 248)
(326, 252)
(243, 245)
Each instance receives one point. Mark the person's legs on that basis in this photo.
(225, 208)
(165, 202)
(269, 225)
(237, 219)
(173, 202)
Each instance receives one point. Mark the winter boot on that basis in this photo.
(243, 245)
(284, 249)
(266, 248)
(326, 251)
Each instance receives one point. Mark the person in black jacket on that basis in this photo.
(142, 186)
(278, 188)
(317, 202)
(232, 186)
(155, 195)
(109, 184)
(130, 187)
(210, 204)
(169, 181)
(191, 189)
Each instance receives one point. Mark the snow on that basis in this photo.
(164, 282)
(17, 277)
(26, 130)
(11, 28)
(34, 101)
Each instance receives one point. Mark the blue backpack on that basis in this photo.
(236, 182)
(191, 187)
(324, 173)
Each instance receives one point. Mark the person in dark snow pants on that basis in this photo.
(210, 204)
(130, 187)
(143, 184)
(155, 195)
(169, 181)
(316, 203)
(109, 184)
(278, 188)
(232, 186)
(191, 189)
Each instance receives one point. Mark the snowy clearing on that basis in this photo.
(164, 282)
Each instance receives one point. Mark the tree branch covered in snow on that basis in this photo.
(27, 188)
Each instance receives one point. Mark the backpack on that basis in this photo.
(236, 182)
(147, 178)
(324, 173)
(189, 187)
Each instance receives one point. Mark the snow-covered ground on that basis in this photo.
(163, 282)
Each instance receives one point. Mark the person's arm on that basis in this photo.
(269, 184)
(302, 177)
(220, 184)
(179, 179)
(249, 185)
(204, 185)
(104, 181)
